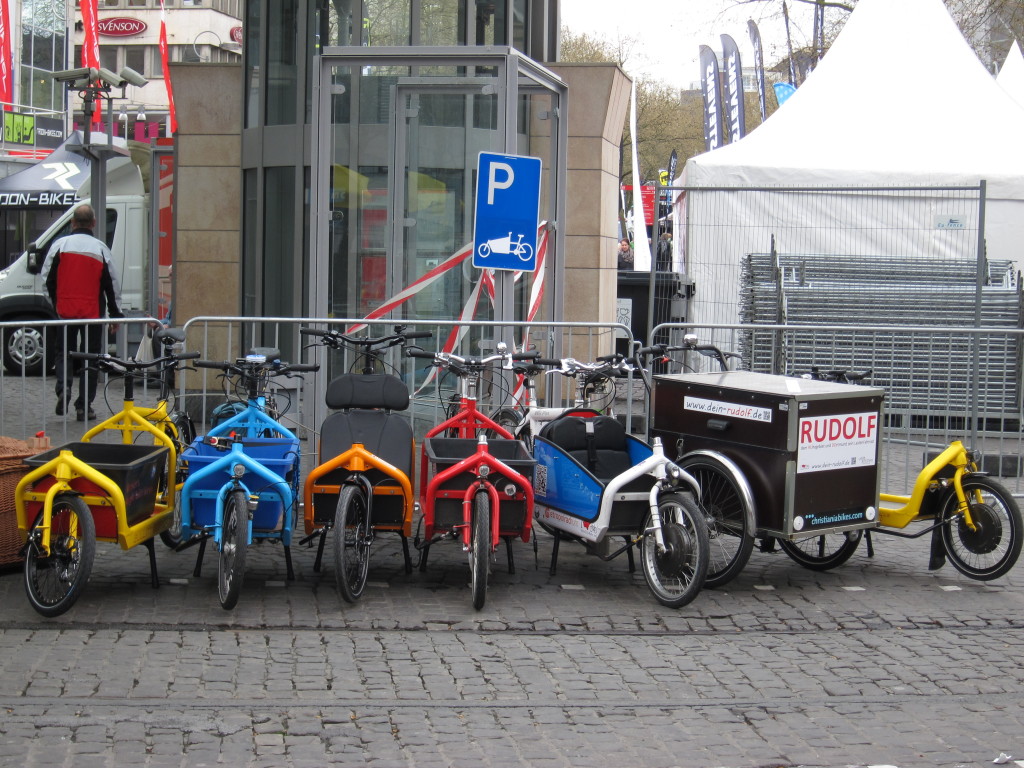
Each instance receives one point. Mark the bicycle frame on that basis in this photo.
(72, 475)
(357, 461)
(956, 456)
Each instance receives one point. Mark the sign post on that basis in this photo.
(507, 212)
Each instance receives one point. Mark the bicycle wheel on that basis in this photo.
(507, 418)
(54, 583)
(480, 551)
(992, 548)
(823, 553)
(234, 540)
(727, 509)
(182, 432)
(351, 543)
(675, 576)
(451, 408)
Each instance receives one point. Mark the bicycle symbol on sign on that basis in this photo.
(505, 246)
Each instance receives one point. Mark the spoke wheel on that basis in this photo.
(352, 539)
(182, 433)
(480, 551)
(725, 509)
(506, 418)
(54, 583)
(676, 575)
(993, 546)
(823, 553)
(234, 540)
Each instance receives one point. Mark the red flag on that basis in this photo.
(6, 86)
(172, 116)
(91, 46)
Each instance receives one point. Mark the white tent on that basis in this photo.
(1011, 74)
(899, 99)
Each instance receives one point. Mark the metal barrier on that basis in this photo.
(223, 338)
(973, 405)
(28, 399)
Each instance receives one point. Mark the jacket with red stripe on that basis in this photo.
(81, 278)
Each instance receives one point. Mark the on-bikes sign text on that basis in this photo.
(837, 442)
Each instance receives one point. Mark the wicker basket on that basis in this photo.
(12, 469)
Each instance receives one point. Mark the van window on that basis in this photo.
(111, 229)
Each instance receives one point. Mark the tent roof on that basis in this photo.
(900, 98)
(1011, 74)
(56, 180)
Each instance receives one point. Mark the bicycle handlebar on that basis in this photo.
(240, 367)
(336, 339)
(111, 363)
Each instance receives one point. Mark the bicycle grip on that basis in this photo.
(550, 362)
(418, 352)
(187, 356)
(86, 355)
(614, 357)
(212, 364)
(312, 332)
(302, 367)
(417, 335)
(531, 355)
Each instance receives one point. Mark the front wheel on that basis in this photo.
(234, 540)
(675, 576)
(993, 546)
(823, 553)
(53, 583)
(726, 502)
(351, 543)
(480, 551)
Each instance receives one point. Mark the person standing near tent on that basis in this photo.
(625, 254)
(83, 284)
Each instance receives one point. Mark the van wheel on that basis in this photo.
(24, 348)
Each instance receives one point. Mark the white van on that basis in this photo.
(23, 294)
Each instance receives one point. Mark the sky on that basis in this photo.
(670, 31)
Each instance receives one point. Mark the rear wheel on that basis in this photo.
(53, 583)
(675, 576)
(351, 543)
(992, 547)
(507, 419)
(480, 551)
(823, 553)
(234, 540)
(182, 433)
(726, 508)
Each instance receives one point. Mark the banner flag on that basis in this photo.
(755, 41)
(733, 88)
(783, 91)
(789, 46)
(6, 84)
(712, 108)
(641, 245)
(819, 32)
(172, 115)
(91, 45)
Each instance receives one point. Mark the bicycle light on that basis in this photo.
(484, 470)
(511, 490)
(674, 471)
(238, 470)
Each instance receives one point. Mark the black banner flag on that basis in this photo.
(733, 88)
(712, 102)
(755, 41)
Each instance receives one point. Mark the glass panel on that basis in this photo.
(491, 26)
(520, 19)
(282, 63)
(279, 268)
(135, 57)
(337, 23)
(251, 49)
(251, 265)
(386, 22)
(443, 22)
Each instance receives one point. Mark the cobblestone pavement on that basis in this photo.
(879, 662)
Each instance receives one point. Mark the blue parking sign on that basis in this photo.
(507, 212)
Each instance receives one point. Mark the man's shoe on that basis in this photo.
(81, 414)
(62, 406)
